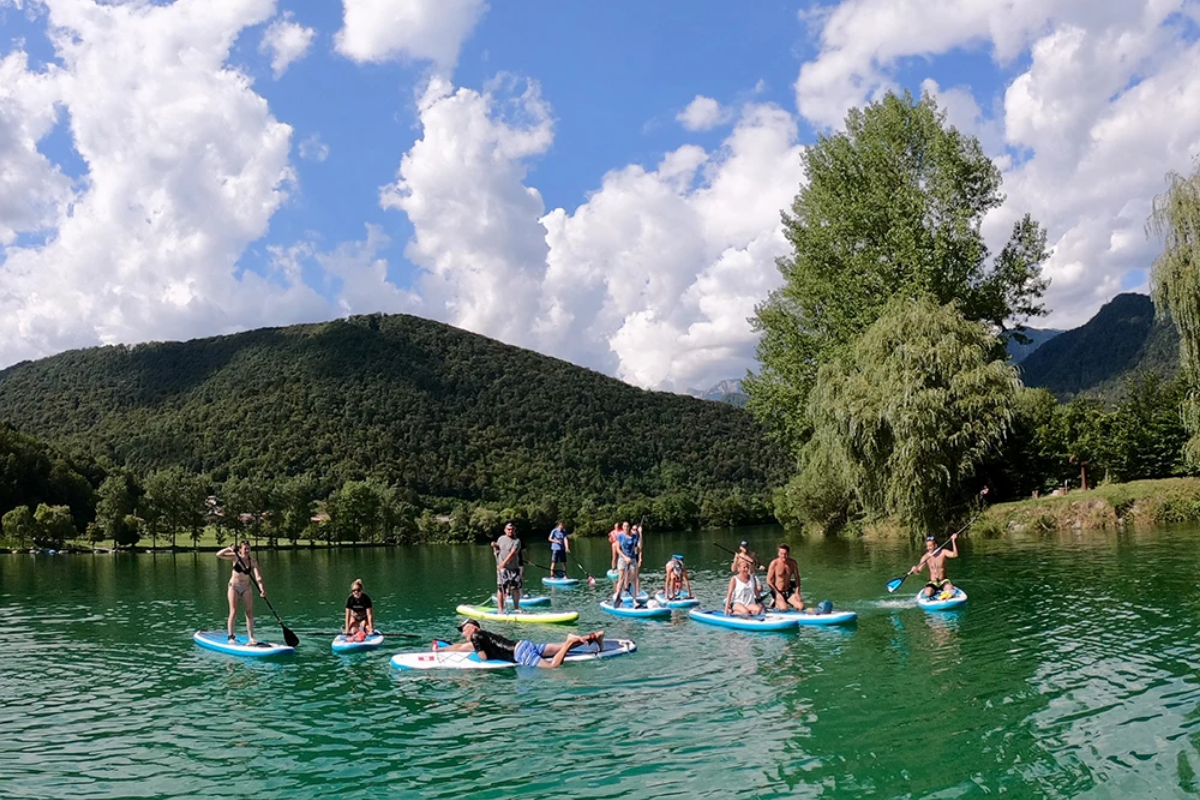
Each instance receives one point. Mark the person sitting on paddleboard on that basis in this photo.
(559, 547)
(744, 553)
(783, 579)
(936, 561)
(742, 597)
(360, 618)
(245, 574)
(629, 553)
(678, 584)
(489, 646)
(508, 567)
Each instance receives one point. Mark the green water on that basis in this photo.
(1069, 674)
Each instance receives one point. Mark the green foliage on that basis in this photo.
(891, 207)
(1175, 280)
(904, 419)
(439, 416)
(19, 526)
(32, 472)
(115, 508)
(54, 525)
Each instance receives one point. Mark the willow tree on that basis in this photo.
(891, 206)
(1175, 283)
(905, 416)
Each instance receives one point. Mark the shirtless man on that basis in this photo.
(612, 541)
(783, 578)
(936, 561)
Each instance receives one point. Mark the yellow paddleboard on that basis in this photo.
(492, 615)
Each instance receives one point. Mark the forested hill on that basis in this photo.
(446, 414)
(1123, 338)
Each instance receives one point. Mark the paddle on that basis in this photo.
(591, 580)
(289, 636)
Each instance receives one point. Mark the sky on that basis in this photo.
(600, 182)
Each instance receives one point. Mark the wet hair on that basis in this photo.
(785, 548)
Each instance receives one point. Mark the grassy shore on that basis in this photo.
(1138, 503)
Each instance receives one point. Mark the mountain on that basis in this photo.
(727, 391)
(1019, 351)
(1122, 338)
(446, 415)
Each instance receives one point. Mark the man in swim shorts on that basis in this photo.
(493, 647)
(936, 561)
(560, 546)
(783, 579)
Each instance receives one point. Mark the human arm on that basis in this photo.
(370, 620)
(346, 619)
(566, 543)
(952, 552)
(226, 553)
(729, 595)
(262, 587)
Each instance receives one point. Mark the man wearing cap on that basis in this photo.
(493, 647)
(783, 579)
(936, 561)
(508, 567)
(677, 579)
(745, 553)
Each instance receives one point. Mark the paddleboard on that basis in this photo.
(457, 659)
(219, 641)
(762, 622)
(957, 598)
(493, 615)
(561, 583)
(628, 609)
(346, 644)
(613, 574)
(678, 602)
(528, 600)
(832, 618)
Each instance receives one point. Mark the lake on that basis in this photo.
(1070, 673)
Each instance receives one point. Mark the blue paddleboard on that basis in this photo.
(219, 641)
(938, 603)
(761, 622)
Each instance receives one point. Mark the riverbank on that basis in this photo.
(1138, 503)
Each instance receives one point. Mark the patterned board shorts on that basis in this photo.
(528, 654)
(509, 580)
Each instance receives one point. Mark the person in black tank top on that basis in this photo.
(245, 577)
(360, 616)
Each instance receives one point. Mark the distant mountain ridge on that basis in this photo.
(727, 391)
(1019, 351)
(1122, 338)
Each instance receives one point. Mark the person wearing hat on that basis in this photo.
(783, 580)
(936, 561)
(677, 579)
(744, 553)
(489, 646)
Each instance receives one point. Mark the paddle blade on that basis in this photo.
(290, 637)
(894, 584)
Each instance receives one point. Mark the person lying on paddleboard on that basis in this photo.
(240, 586)
(508, 567)
(783, 579)
(742, 597)
(678, 584)
(560, 546)
(629, 553)
(936, 561)
(493, 647)
(360, 617)
(744, 553)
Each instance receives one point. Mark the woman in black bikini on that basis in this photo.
(240, 585)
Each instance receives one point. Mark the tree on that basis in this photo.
(19, 526)
(892, 207)
(55, 524)
(902, 421)
(1175, 285)
(1148, 436)
(117, 497)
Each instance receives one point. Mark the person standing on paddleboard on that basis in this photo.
(489, 646)
(629, 553)
(508, 567)
(241, 586)
(742, 597)
(783, 579)
(612, 542)
(936, 561)
(360, 616)
(559, 548)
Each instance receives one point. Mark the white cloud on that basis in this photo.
(416, 30)
(286, 42)
(1107, 103)
(185, 167)
(651, 279)
(313, 149)
(702, 114)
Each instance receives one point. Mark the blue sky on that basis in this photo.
(526, 170)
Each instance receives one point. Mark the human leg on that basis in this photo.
(248, 606)
(232, 594)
